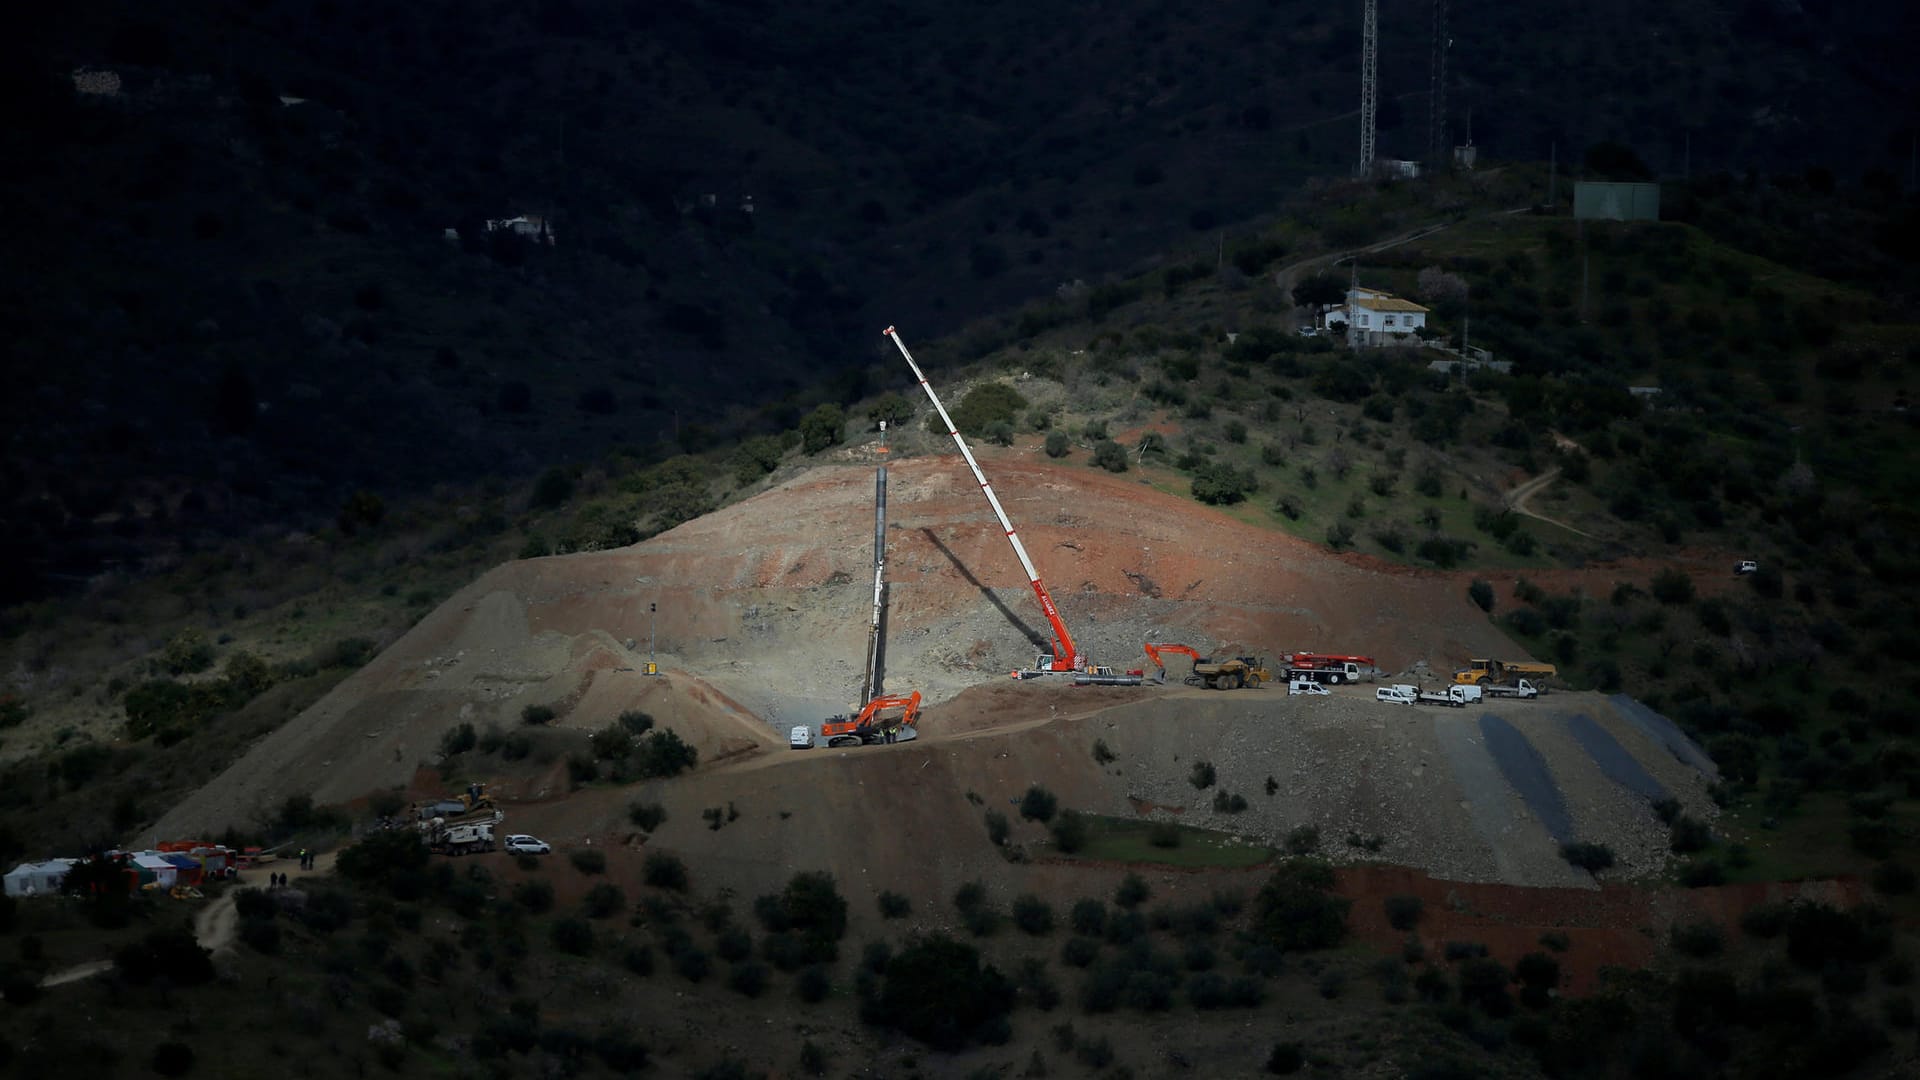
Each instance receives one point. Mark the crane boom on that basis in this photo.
(1065, 656)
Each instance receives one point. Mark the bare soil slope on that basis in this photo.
(762, 623)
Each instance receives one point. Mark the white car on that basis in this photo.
(1308, 688)
(522, 844)
(801, 737)
(1746, 566)
(1399, 695)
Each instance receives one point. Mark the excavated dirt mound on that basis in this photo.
(762, 624)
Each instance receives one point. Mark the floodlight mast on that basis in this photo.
(1065, 656)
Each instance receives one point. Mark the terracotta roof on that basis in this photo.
(1386, 303)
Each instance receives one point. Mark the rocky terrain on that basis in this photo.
(762, 624)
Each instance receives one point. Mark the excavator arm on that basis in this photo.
(1155, 648)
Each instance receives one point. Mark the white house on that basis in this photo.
(531, 226)
(38, 879)
(1380, 317)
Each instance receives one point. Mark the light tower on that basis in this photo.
(1437, 149)
(1369, 85)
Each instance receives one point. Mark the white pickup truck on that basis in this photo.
(1522, 689)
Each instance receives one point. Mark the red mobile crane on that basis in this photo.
(1330, 667)
(1066, 659)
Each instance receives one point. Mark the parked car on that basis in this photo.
(1307, 687)
(1746, 566)
(1399, 695)
(801, 737)
(522, 844)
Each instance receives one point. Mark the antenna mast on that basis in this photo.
(1369, 85)
(1065, 656)
(1437, 149)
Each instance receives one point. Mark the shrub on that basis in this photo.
(1202, 775)
(1296, 909)
(588, 861)
(1058, 444)
(1133, 892)
(1766, 921)
(663, 753)
(937, 990)
(173, 1059)
(1303, 840)
(748, 979)
(1222, 485)
(998, 828)
(1110, 455)
(1224, 803)
(1482, 594)
(1070, 831)
(1101, 754)
(813, 985)
(1699, 940)
(1672, 586)
(1339, 536)
(985, 405)
(1403, 912)
(571, 935)
(1088, 916)
(1032, 914)
(647, 816)
(1038, 804)
(537, 714)
(1893, 879)
(536, 895)
(693, 965)
(1286, 1059)
(823, 427)
(1689, 835)
(1588, 856)
(604, 900)
(664, 871)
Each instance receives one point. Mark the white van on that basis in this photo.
(801, 737)
(1307, 687)
(1399, 695)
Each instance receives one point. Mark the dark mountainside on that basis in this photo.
(233, 303)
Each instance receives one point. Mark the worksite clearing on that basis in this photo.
(762, 619)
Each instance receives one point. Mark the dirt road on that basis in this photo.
(215, 927)
(1519, 500)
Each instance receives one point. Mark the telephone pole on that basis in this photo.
(1369, 85)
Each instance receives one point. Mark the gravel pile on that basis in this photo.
(1488, 799)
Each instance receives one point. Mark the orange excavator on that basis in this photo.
(872, 725)
(1155, 648)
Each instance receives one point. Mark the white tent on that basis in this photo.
(37, 879)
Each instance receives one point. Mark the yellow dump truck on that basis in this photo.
(1502, 672)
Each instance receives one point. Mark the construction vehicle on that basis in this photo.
(1066, 659)
(474, 804)
(1231, 673)
(871, 725)
(1155, 648)
(1502, 672)
(1453, 697)
(1522, 689)
(465, 839)
(1330, 667)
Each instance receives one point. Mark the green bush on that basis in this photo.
(1133, 892)
(1222, 485)
(604, 901)
(1110, 455)
(535, 895)
(1699, 940)
(664, 871)
(537, 714)
(894, 905)
(1403, 912)
(1202, 775)
(1038, 804)
(1032, 914)
(588, 860)
(1296, 910)
(1588, 856)
(823, 427)
(937, 990)
(1482, 594)
(1070, 832)
(663, 753)
(998, 828)
(1058, 444)
(647, 816)
(1303, 840)
(987, 404)
(571, 935)
(1673, 586)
